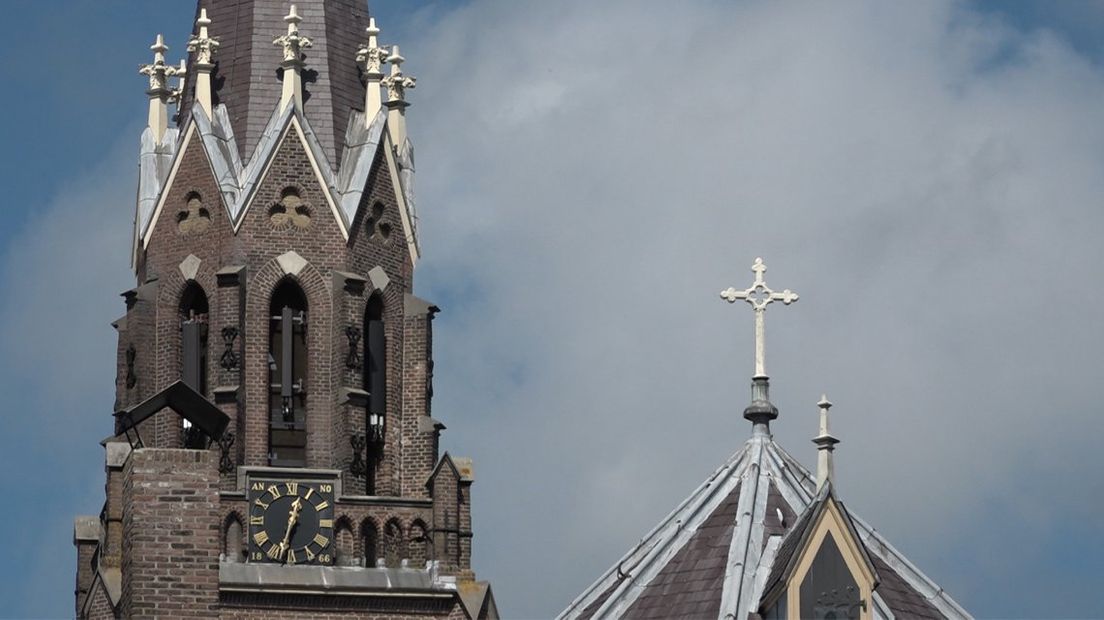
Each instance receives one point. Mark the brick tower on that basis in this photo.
(274, 453)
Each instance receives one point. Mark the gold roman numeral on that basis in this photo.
(291, 556)
(322, 506)
(321, 540)
(292, 488)
(261, 537)
(274, 492)
(310, 491)
(256, 520)
(263, 505)
(325, 523)
(273, 552)
(310, 556)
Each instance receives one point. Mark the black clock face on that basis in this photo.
(291, 521)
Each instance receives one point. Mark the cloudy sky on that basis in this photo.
(927, 175)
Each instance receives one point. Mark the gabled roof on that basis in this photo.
(797, 538)
(239, 180)
(675, 564)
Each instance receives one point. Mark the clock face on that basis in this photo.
(291, 521)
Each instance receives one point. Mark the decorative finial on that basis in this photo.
(159, 92)
(203, 45)
(826, 444)
(397, 84)
(372, 57)
(293, 44)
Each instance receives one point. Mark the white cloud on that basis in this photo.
(591, 174)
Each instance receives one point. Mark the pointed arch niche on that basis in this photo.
(375, 384)
(287, 375)
(194, 310)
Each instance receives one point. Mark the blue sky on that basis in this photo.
(926, 175)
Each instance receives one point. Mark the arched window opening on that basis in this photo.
(232, 548)
(287, 377)
(194, 311)
(375, 383)
(394, 549)
(370, 538)
(346, 554)
(418, 545)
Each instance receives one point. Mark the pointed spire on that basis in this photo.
(759, 296)
(204, 47)
(159, 91)
(826, 444)
(293, 44)
(372, 57)
(397, 84)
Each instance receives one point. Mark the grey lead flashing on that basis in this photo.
(362, 141)
(154, 163)
(416, 306)
(404, 157)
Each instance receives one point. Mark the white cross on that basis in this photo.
(759, 296)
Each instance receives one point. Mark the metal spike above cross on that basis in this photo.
(759, 296)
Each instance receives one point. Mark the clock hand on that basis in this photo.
(293, 518)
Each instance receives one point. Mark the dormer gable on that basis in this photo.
(822, 569)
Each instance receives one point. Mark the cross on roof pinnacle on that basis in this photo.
(759, 296)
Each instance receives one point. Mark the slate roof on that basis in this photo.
(245, 78)
(732, 520)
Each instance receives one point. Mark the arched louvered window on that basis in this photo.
(375, 383)
(193, 351)
(287, 376)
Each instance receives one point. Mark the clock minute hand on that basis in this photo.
(293, 518)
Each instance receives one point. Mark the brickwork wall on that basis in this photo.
(99, 608)
(111, 554)
(86, 550)
(171, 534)
(446, 508)
(420, 451)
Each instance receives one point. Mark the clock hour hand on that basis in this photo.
(293, 518)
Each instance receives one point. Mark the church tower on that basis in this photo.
(274, 451)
